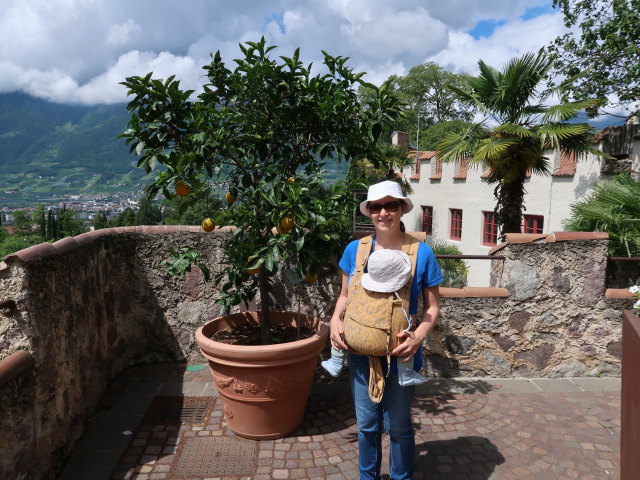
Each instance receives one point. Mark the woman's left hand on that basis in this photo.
(411, 342)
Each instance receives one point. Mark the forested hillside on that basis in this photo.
(49, 149)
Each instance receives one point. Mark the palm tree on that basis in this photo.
(517, 130)
(613, 207)
(454, 271)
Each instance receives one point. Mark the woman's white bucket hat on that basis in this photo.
(387, 271)
(385, 189)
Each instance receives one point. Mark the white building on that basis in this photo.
(454, 203)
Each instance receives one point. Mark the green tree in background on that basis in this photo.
(613, 207)
(100, 221)
(148, 213)
(68, 225)
(433, 134)
(382, 166)
(22, 220)
(39, 218)
(604, 42)
(126, 218)
(526, 129)
(427, 99)
(51, 226)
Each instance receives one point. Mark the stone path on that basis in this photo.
(166, 422)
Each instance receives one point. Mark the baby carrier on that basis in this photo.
(372, 320)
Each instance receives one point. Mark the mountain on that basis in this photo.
(49, 150)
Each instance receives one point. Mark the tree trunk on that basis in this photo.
(509, 207)
(264, 307)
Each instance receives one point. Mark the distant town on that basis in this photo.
(86, 206)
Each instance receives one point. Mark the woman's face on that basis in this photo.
(384, 220)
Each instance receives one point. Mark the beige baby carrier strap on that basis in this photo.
(373, 320)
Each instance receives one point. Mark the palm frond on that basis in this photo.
(456, 146)
(492, 148)
(566, 111)
(554, 135)
(613, 207)
(515, 129)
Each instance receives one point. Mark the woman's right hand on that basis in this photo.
(337, 333)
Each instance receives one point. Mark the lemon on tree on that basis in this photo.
(208, 224)
(286, 224)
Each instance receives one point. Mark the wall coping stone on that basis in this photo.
(42, 250)
(512, 238)
(473, 292)
(618, 293)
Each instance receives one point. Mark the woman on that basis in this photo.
(386, 204)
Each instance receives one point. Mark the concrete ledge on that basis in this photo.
(618, 293)
(68, 244)
(473, 292)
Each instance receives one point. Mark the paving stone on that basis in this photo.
(465, 429)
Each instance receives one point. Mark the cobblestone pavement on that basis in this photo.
(465, 429)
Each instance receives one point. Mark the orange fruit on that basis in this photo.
(208, 224)
(230, 198)
(291, 180)
(286, 224)
(252, 271)
(182, 188)
(311, 278)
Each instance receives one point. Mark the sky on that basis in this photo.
(77, 51)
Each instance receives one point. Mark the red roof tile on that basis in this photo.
(461, 169)
(438, 170)
(567, 167)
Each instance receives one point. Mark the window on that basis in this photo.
(489, 229)
(456, 224)
(533, 224)
(427, 220)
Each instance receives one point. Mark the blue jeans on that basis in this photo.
(393, 413)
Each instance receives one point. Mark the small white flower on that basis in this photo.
(634, 289)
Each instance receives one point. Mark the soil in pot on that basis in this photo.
(250, 334)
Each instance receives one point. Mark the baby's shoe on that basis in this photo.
(333, 366)
(408, 377)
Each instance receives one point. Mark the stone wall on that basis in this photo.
(555, 321)
(88, 307)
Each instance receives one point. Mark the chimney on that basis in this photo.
(399, 138)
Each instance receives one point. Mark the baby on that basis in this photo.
(374, 281)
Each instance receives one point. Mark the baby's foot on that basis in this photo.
(408, 377)
(333, 366)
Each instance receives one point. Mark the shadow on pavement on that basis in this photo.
(458, 456)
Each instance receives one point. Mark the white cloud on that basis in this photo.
(507, 41)
(121, 34)
(79, 50)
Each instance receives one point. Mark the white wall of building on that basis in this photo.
(548, 196)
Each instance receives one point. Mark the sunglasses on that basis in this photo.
(389, 207)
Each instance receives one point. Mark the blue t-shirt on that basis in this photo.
(427, 274)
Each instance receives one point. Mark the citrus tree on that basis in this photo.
(261, 131)
(517, 131)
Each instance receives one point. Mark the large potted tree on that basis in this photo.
(261, 133)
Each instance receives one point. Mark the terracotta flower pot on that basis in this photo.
(264, 389)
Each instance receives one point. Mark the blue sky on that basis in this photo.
(77, 51)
